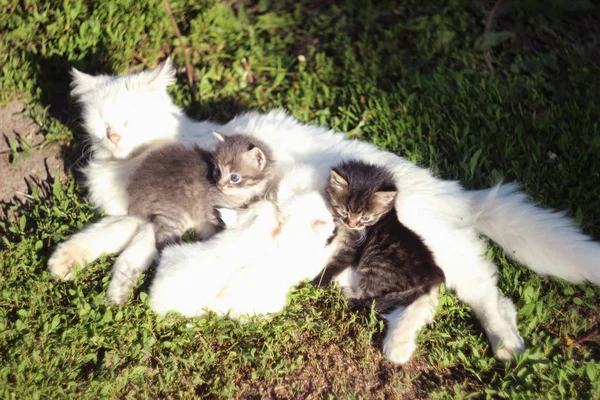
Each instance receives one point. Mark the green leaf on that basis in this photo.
(528, 294)
(143, 297)
(590, 370)
(577, 301)
(55, 322)
(416, 24)
(579, 216)
(108, 317)
(57, 189)
(527, 309)
(492, 39)
(474, 159)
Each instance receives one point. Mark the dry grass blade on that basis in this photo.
(188, 65)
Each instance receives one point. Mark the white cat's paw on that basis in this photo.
(510, 344)
(509, 341)
(399, 352)
(64, 259)
(117, 293)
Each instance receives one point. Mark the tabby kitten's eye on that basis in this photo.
(235, 178)
(365, 218)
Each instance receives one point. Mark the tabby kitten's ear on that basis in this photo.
(256, 157)
(337, 182)
(218, 135)
(384, 199)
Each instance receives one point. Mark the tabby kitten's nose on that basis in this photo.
(353, 221)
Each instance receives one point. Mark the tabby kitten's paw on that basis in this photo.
(399, 352)
(64, 259)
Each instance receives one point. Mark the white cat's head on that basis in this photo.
(122, 113)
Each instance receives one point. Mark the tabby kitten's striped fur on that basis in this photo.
(390, 265)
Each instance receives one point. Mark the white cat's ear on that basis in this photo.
(337, 182)
(257, 157)
(158, 78)
(384, 199)
(83, 82)
(318, 225)
(219, 136)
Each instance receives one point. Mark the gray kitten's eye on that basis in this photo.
(365, 218)
(235, 178)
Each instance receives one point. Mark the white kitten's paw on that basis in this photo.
(399, 352)
(64, 259)
(508, 345)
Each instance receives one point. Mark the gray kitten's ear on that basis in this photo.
(257, 157)
(337, 182)
(158, 78)
(384, 199)
(83, 82)
(218, 135)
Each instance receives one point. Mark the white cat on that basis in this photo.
(123, 114)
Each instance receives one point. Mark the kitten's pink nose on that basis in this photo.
(114, 137)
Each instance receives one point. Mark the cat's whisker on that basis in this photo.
(87, 148)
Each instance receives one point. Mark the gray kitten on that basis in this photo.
(178, 187)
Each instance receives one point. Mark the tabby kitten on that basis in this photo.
(390, 265)
(178, 187)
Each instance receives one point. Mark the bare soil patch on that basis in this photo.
(35, 162)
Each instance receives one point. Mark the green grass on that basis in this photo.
(409, 76)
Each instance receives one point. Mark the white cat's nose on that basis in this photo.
(113, 137)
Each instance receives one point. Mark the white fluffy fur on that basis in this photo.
(109, 235)
(545, 240)
(441, 212)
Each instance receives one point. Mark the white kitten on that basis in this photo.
(191, 275)
(247, 269)
(441, 212)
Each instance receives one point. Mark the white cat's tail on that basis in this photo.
(547, 241)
